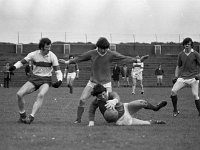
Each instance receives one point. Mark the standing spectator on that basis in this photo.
(159, 72)
(186, 73)
(136, 74)
(125, 72)
(101, 59)
(71, 72)
(115, 75)
(45, 61)
(6, 73)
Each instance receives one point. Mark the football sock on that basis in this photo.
(174, 102)
(197, 103)
(80, 111)
(150, 106)
(22, 115)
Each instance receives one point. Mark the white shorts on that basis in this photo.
(160, 77)
(92, 84)
(71, 75)
(126, 119)
(137, 76)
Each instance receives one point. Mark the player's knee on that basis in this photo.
(82, 103)
(40, 96)
(173, 92)
(196, 97)
(143, 102)
(20, 94)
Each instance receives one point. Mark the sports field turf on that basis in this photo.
(53, 127)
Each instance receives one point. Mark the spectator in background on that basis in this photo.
(159, 72)
(6, 73)
(125, 72)
(115, 75)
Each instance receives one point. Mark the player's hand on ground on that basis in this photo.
(197, 77)
(57, 84)
(91, 124)
(144, 58)
(174, 80)
(12, 68)
(110, 104)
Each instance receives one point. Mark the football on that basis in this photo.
(111, 115)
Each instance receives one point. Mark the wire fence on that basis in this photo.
(33, 37)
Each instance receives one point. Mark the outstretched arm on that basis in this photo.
(92, 110)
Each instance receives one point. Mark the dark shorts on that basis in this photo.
(37, 81)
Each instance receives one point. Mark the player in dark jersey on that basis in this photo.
(111, 100)
(186, 73)
(101, 58)
(71, 72)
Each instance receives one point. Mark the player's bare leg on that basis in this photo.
(141, 86)
(39, 101)
(177, 86)
(134, 85)
(85, 95)
(24, 90)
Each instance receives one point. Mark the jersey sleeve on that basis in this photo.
(29, 57)
(122, 58)
(83, 57)
(54, 60)
(92, 110)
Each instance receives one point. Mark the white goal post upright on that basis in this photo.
(113, 47)
(157, 49)
(66, 49)
(19, 48)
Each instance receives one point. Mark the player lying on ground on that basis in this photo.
(44, 61)
(111, 100)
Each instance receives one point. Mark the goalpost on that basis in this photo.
(157, 49)
(66, 49)
(113, 47)
(19, 48)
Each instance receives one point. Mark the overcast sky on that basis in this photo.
(88, 19)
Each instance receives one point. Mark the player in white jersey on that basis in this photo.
(44, 61)
(136, 74)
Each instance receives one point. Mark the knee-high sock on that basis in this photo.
(80, 111)
(174, 102)
(150, 106)
(197, 103)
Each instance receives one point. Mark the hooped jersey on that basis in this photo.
(42, 65)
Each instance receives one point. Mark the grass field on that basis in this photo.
(53, 127)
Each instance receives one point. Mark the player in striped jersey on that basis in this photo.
(136, 74)
(44, 62)
(101, 59)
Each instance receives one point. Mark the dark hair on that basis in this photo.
(98, 89)
(187, 40)
(71, 56)
(102, 43)
(44, 41)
